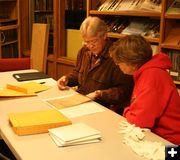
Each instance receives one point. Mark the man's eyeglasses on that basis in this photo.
(91, 42)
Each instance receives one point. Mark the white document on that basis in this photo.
(82, 109)
(74, 134)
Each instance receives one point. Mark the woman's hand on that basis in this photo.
(62, 83)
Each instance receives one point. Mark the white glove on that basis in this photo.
(131, 131)
(133, 137)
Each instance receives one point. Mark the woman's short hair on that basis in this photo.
(131, 49)
(93, 26)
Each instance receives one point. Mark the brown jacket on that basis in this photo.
(106, 76)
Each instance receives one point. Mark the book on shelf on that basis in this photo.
(145, 27)
(130, 5)
(174, 55)
(151, 5)
(174, 7)
(9, 50)
(75, 5)
(75, 134)
(34, 122)
(7, 22)
(25, 89)
(148, 27)
(68, 101)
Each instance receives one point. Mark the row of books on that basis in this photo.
(7, 22)
(73, 19)
(9, 51)
(45, 18)
(75, 5)
(175, 59)
(174, 7)
(126, 5)
(145, 27)
(8, 36)
(43, 5)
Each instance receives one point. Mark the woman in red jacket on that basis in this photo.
(155, 102)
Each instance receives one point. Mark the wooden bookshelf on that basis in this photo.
(168, 38)
(55, 12)
(9, 29)
(169, 31)
(170, 35)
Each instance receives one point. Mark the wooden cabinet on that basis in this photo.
(9, 29)
(43, 13)
(51, 12)
(170, 42)
(165, 35)
(55, 13)
(167, 38)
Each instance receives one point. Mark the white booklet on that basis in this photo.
(74, 134)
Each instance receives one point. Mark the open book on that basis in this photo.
(74, 134)
(25, 89)
(24, 123)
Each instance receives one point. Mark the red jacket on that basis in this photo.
(155, 102)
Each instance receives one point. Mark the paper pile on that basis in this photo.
(74, 134)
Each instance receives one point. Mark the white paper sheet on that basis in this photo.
(82, 109)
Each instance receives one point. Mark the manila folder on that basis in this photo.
(24, 123)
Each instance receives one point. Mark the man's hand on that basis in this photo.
(62, 83)
(94, 95)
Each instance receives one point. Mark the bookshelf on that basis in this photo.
(43, 13)
(166, 30)
(170, 41)
(61, 15)
(9, 29)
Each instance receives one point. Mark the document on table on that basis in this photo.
(82, 109)
(68, 101)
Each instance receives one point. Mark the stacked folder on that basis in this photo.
(74, 134)
(25, 89)
(25, 123)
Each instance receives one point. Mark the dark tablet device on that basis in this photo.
(30, 76)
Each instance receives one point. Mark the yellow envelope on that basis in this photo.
(34, 122)
(26, 89)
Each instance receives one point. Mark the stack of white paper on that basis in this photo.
(74, 134)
